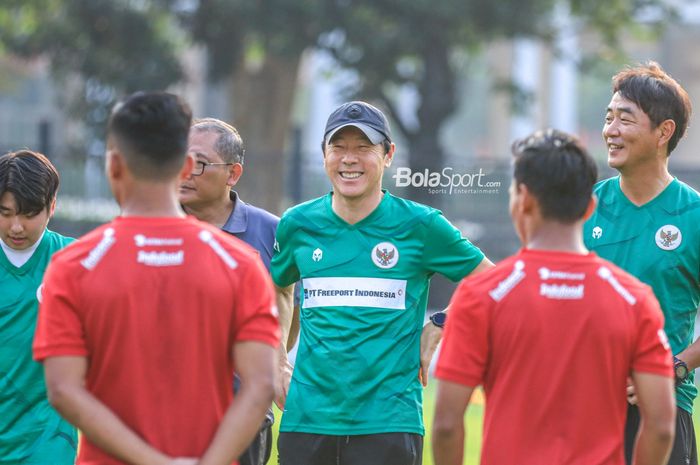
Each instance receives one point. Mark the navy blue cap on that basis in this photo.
(367, 118)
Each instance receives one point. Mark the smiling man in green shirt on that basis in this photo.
(648, 223)
(365, 259)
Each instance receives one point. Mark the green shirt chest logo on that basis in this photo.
(668, 237)
(385, 255)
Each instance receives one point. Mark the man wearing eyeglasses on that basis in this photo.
(207, 195)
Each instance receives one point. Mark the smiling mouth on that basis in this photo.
(614, 147)
(353, 175)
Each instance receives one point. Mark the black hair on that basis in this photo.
(558, 171)
(658, 95)
(31, 178)
(151, 131)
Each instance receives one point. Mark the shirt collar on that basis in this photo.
(238, 219)
(615, 201)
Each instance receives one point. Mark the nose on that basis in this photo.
(611, 129)
(349, 157)
(16, 225)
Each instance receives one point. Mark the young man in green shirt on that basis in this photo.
(647, 222)
(365, 259)
(31, 432)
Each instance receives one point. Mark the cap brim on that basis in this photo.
(374, 136)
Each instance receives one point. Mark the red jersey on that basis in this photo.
(156, 305)
(552, 337)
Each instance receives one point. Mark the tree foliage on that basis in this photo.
(118, 46)
(415, 42)
(99, 49)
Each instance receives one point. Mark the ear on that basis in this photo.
(187, 167)
(389, 156)
(234, 174)
(52, 207)
(667, 128)
(115, 165)
(527, 202)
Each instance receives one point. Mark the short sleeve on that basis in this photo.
(465, 344)
(283, 267)
(256, 312)
(652, 353)
(447, 252)
(59, 329)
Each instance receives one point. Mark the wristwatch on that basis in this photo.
(439, 319)
(680, 369)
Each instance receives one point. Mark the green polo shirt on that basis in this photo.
(659, 243)
(364, 295)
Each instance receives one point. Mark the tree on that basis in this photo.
(256, 47)
(414, 42)
(103, 49)
(99, 50)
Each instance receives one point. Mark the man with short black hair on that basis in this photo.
(647, 223)
(144, 319)
(31, 431)
(365, 259)
(552, 334)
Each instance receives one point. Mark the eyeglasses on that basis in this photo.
(199, 166)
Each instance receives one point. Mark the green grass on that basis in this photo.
(473, 422)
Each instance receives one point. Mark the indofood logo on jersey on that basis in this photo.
(446, 181)
(668, 237)
(385, 255)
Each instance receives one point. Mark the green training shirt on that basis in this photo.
(364, 295)
(31, 431)
(659, 243)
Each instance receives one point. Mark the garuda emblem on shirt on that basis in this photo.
(385, 255)
(668, 237)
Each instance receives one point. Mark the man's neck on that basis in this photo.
(644, 183)
(151, 200)
(353, 211)
(216, 213)
(559, 237)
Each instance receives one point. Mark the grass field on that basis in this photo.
(473, 417)
(473, 423)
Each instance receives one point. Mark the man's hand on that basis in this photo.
(283, 380)
(429, 340)
(631, 393)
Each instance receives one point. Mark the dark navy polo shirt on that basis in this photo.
(254, 226)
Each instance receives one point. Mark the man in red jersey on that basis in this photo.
(552, 334)
(143, 320)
